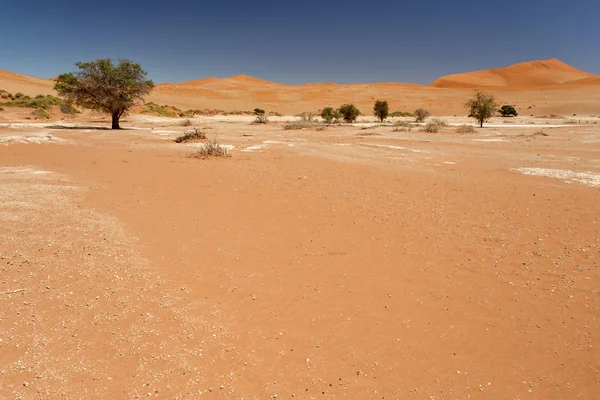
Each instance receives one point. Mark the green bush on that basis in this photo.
(421, 114)
(349, 112)
(41, 113)
(381, 110)
(327, 114)
(508, 111)
(258, 111)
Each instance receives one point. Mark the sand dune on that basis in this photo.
(536, 87)
(523, 75)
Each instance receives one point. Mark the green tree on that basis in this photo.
(508, 111)
(328, 114)
(349, 112)
(381, 110)
(481, 107)
(103, 86)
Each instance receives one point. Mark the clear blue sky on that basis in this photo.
(296, 42)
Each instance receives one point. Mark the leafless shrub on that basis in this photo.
(191, 136)
(421, 114)
(465, 129)
(185, 122)
(212, 148)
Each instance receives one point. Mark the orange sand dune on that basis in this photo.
(518, 76)
(14, 83)
(537, 87)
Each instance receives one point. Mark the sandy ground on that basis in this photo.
(353, 262)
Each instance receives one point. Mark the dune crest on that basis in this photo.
(524, 75)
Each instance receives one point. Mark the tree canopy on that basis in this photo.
(381, 109)
(103, 86)
(481, 107)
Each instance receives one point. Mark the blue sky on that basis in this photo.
(301, 41)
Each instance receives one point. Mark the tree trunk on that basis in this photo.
(115, 119)
(481, 124)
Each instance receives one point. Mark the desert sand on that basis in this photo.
(355, 261)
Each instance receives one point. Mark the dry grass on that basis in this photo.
(402, 126)
(465, 129)
(212, 148)
(191, 136)
(185, 122)
(301, 124)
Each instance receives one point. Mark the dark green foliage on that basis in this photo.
(481, 107)
(349, 112)
(381, 110)
(421, 114)
(508, 111)
(258, 111)
(101, 85)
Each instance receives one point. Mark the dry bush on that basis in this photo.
(465, 129)
(191, 136)
(185, 122)
(261, 119)
(431, 128)
(438, 121)
(421, 114)
(402, 126)
(296, 125)
(212, 148)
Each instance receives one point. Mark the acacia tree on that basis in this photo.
(482, 107)
(349, 112)
(101, 85)
(381, 110)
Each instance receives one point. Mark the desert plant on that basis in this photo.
(508, 111)
(294, 125)
(431, 128)
(381, 110)
(327, 114)
(185, 122)
(19, 95)
(421, 115)
(41, 113)
(67, 108)
(258, 111)
(465, 129)
(439, 121)
(481, 107)
(101, 85)
(191, 136)
(212, 148)
(307, 116)
(349, 112)
(397, 114)
(402, 126)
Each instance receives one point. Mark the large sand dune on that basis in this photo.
(536, 87)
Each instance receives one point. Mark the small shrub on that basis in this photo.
(191, 136)
(421, 115)
(397, 114)
(349, 112)
(258, 111)
(261, 119)
(508, 111)
(440, 122)
(41, 113)
(402, 126)
(4, 96)
(276, 114)
(19, 95)
(68, 108)
(307, 116)
(296, 125)
(153, 108)
(465, 129)
(212, 148)
(431, 128)
(185, 122)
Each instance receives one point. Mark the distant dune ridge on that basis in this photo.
(546, 86)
